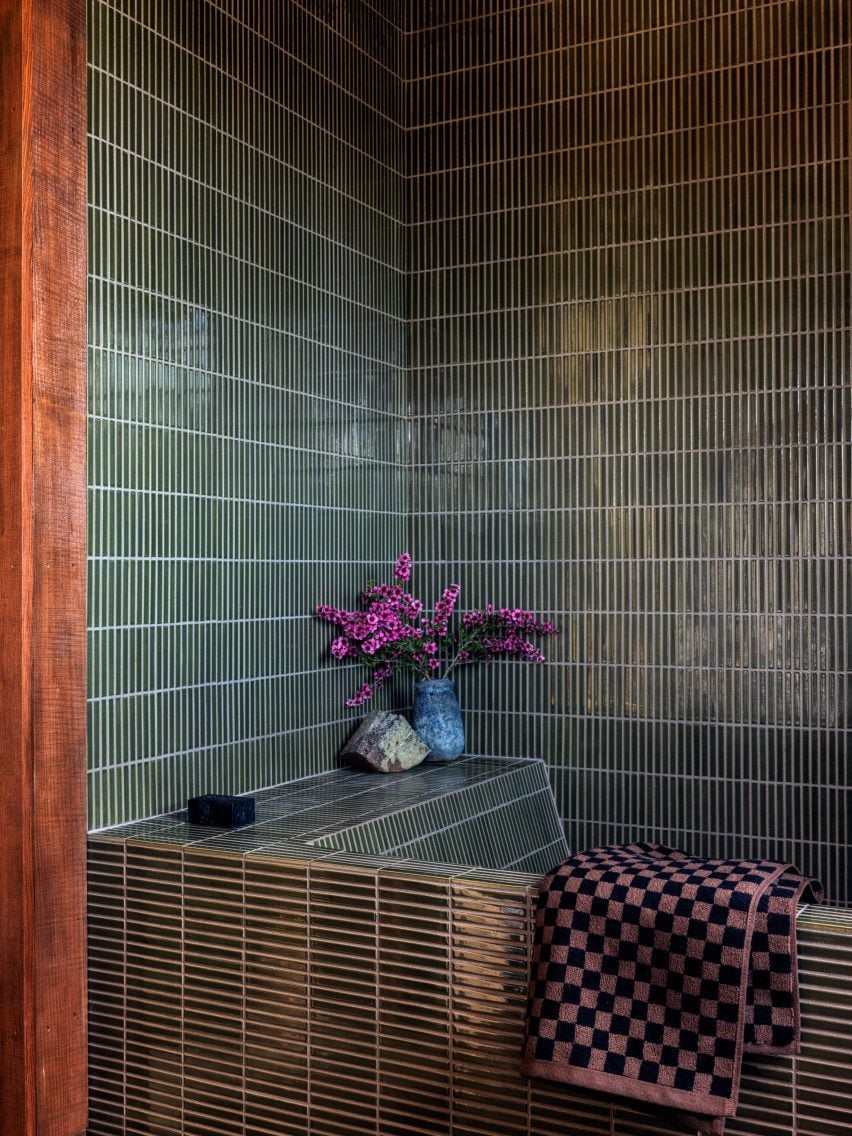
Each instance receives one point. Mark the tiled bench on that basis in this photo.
(283, 981)
(480, 812)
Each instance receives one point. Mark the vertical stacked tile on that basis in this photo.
(414, 1024)
(629, 1121)
(214, 994)
(488, 992)
(556, 1108)
(482, 812)
(632, 407)
(107, 986)
(277, 1009)
(824, 1069)
(766, 1106)
(246, 334)
(155, 1049)
(263, 994)
(343, 1070)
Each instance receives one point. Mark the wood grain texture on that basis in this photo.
(16, 1040)
(43, 556)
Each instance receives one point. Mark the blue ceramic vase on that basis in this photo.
(437, 718)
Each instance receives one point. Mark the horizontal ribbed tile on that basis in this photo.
(107, 983)
(154, 974)
(413, 1009)
(553, 1107)
(303, 981)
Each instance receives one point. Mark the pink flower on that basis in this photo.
(402, 571)
(340, 647)
(390, 632)
(444, 609)
(362, 695)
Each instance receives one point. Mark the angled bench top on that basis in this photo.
(481, 812)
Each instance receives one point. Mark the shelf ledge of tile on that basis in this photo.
(477, 813)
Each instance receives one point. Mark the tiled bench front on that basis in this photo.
(292, 987)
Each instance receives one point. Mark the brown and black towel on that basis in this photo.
(653, 971)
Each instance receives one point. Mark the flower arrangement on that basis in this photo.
(393, 632)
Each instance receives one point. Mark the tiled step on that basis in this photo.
(494, 818)
(478, 811)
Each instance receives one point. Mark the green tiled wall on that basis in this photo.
(557, 295)
(246, 241)
(632, 402)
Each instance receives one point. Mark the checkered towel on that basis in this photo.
(653, 971)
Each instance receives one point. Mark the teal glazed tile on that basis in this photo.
(365, 279)
(483, 812)
(557, 300)
(246, 373)
(490, 823)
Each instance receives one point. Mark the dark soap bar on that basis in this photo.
(221, 810)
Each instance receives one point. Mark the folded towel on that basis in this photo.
(653, 971)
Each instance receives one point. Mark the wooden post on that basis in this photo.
(42, 567)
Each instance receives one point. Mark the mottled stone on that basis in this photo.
(384, 743)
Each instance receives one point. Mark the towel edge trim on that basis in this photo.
(682, 1099)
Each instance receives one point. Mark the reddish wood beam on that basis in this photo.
(43, 558)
